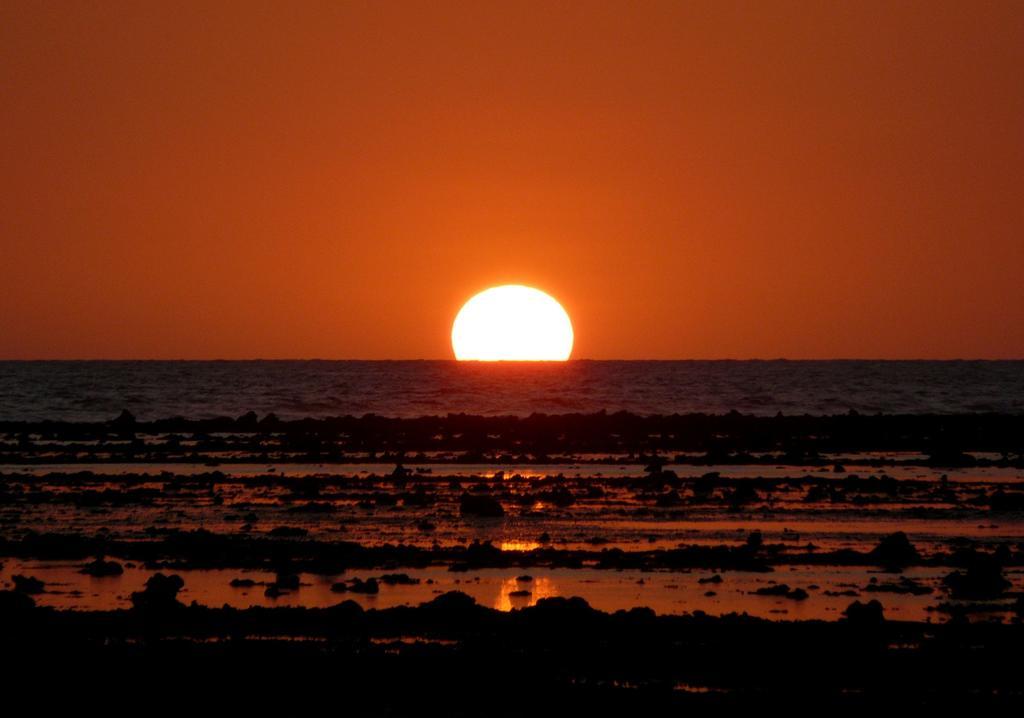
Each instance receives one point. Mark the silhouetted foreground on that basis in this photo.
(345, 519)
(453, 657)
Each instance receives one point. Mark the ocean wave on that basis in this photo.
(89, 391)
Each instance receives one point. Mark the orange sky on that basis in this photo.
(807, 180)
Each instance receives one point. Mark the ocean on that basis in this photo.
(99, 390)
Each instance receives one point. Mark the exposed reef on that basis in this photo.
(276, 556)
(945, 440)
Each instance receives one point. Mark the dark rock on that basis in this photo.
(669, 498)
(867, 614)
(125, 418)
(419, 497)
(15, 602)
(742, 495)
(895, 550)
(903, 586)
(484, 506)
(755, 541)
(711, 579)
(288, 532)
(561, 612)
(369, 586)
(782, 590)
(560, 497)
(983, 580)
(655, 466)
(1006, 501)
(816, 495)
(453, 601)
(453, 608)
(28, 584)
(99, 568)
(247, 421)
(398, 579)
(287, 581)
(161, 593)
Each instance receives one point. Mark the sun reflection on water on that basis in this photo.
(538, 588)
(518, 474)
(518, 545)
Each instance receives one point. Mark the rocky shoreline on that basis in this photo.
(493, 565)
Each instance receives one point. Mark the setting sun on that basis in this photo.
(512, 323)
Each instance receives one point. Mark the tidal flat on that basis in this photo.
(256, 536)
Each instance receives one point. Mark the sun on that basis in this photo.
(512, 323)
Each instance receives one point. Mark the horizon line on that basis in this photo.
(505, 361)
